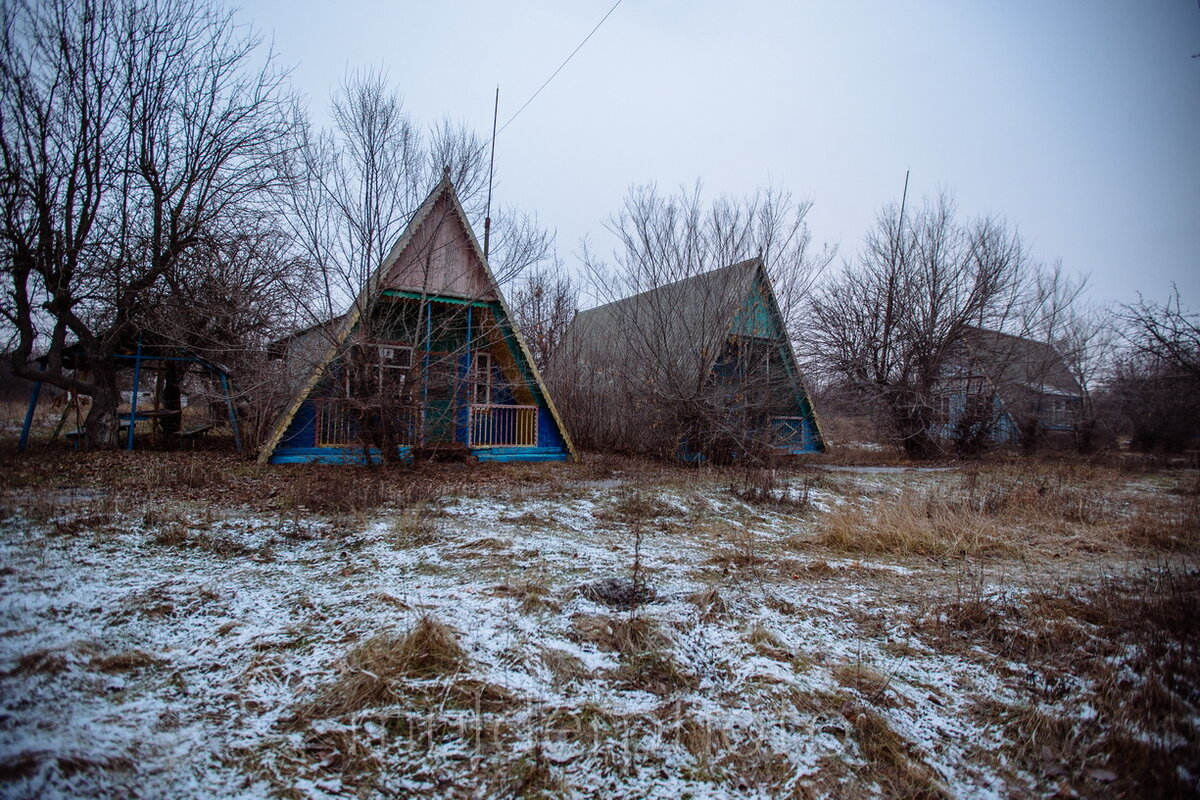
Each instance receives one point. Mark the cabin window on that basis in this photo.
(1058, 412)
(941, 409)
(378, 368)
(481, 378)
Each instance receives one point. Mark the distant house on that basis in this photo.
(427, 359)
(701, 368)
(1006, 389)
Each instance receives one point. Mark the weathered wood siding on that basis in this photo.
(441, 259)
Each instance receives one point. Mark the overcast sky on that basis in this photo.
(1077, 121)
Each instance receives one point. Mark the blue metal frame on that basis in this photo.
(132, 417)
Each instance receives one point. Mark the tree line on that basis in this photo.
(161, 181)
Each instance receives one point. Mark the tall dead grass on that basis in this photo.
(912, 524)
(374, 671)
(1008, 510)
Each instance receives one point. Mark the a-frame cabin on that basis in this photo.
(428, 359)
(702, 368)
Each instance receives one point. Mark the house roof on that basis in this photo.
(383, 277)
(670, 334)
(669, 337)
(1015, 362)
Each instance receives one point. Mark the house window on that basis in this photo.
(378, 368)
(941, 409)
(1059, 412)
(481, 378)
(395, 361)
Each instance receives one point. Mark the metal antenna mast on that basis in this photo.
(897, 245)
(487, 219)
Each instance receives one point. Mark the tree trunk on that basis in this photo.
(101, 424)
(171, 399)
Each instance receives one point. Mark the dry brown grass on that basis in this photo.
(767, 643)
(178, 534)
(637, 506)
(1017, 508)
(1134, 647)
(646, 661)
(893, 761)
(565, 668)
(128, 661)
(43, 662)
(374, 671)
(413, 527)
(710, 604)
(336, 490)
(618, 634)
(533, 595)
(863, 678)
(911, 524)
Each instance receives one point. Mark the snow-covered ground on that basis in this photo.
(171, 648)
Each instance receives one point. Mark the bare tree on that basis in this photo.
(1155, 379)
(1167, 332)
(129, 131)
(368, 174)
(890, 323)
(544, 304)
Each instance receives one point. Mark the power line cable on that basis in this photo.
(560, 66)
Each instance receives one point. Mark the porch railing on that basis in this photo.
(339, 422)
(502, 426)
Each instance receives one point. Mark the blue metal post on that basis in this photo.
(237, 436)
(133, 396)
(425, 366)
(33, 400)
(469, 385)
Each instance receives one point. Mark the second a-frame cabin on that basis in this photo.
(427, 360)
(701, 369)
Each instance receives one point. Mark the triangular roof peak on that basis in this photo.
(437, 255)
